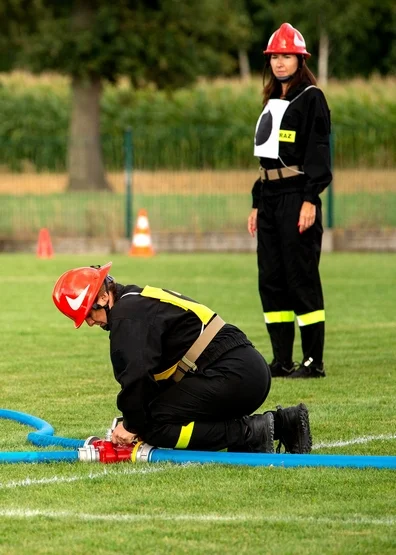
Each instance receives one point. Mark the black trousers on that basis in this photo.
(204, 410)
(289, 279)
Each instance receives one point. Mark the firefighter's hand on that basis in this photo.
(121, 436)
(307, 216)
(252, 222)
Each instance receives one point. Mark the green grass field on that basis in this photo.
(62, 375)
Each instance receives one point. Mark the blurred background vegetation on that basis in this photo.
(208, 125)
(164, 95)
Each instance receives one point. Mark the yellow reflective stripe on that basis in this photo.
(287, 136)
(185, 436)
(279, 317)
(311, 318)
(203, 312)
(166, 373)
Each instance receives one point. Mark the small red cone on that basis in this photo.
(44, 244)
(141, 240)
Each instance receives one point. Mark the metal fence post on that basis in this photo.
(330, 194)
(128, 158)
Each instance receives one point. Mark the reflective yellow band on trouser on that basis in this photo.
(185, 436)
(279, 317)
(311, 318)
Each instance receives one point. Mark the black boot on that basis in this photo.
(260, 432)
(308, 369)
(279, 370)
(292, 429)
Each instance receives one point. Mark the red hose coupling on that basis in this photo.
(110, 453)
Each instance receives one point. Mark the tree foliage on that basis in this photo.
(171, 42)
(362, 33)
(166, 42)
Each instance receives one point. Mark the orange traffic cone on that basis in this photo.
(44, 244)
(141, 240)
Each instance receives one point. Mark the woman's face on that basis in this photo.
(283, 65)
(98, 317)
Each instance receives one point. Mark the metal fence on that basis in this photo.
(189, 179)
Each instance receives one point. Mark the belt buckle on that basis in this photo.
(192, 367)
(263, 174)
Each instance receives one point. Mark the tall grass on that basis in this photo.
(210, 125)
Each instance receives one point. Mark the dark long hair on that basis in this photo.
(273, 87)
(107, 287)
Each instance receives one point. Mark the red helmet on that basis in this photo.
(287, 40)
(76, 290)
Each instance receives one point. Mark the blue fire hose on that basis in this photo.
(278, 460)
(38, 457)
(43, 437)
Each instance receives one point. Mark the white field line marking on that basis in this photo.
(354, 441)
(90, 476)
(215, 518)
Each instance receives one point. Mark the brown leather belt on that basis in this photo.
(279, 173)
(187, 363)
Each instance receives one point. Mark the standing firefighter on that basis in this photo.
(188, 380)
(292, 143)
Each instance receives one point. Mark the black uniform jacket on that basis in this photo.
(309, 117)
(149, 336)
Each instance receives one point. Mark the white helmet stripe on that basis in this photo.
(77, 302)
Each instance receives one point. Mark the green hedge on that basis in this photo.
(206, 126)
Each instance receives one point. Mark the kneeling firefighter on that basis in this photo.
(188, 380)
